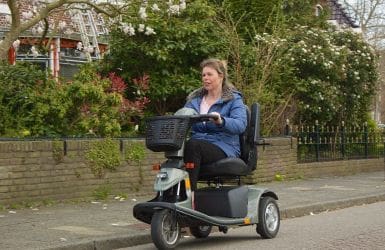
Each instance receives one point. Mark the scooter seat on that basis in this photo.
(231, 166)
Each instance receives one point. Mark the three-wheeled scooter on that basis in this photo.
(220, 200)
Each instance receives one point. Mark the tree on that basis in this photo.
(371, 19)
(42, 9)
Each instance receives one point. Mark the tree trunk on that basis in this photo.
(10, 37)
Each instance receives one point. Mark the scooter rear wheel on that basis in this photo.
(165, 229)
(268, 218)
(200, 231)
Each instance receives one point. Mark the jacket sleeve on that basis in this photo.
(236, 122)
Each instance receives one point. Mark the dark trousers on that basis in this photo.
(200, 152)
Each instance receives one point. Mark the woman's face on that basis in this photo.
(211, 79)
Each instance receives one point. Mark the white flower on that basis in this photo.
(34, 51)
(182, 5)
(79, 46)
(141, 27)
(129, 30)
(174, 9)
(155, 7)
(142, 13)
(149, 31)
(16, 44)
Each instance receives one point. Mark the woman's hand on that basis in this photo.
(218, 119)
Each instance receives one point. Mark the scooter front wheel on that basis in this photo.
(165, 229)
(268, 218)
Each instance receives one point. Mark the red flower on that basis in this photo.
(117, 83)
(142, 82)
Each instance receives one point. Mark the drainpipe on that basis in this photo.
(57, 57)
(12, 56)
(54, 58)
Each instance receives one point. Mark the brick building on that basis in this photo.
(74, 37)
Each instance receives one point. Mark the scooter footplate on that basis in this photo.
(144, 211)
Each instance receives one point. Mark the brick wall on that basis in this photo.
(40, 170)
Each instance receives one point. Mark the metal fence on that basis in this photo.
(322, 143)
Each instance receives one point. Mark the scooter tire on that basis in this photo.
(268, 218)
(165, 229)
(200, 231)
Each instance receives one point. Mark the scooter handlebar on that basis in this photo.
(203, 118)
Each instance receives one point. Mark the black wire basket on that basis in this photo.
(166, 133)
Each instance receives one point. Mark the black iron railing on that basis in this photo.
(322, 143)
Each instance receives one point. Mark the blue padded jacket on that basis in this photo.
(233, 112)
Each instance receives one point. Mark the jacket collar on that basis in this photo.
(227, 93)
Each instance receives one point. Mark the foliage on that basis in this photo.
(259, 16)
(33, 104)
(336, 73)
(93, 108)
(57, 151)
(102, 192)
(30, 103)
(170, 57)
(136, 152)
(307, 74)
(103, 154)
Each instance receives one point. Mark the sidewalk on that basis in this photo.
(110, 225)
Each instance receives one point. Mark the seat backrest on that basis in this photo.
(249, 138)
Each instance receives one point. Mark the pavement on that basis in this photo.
(110, 224)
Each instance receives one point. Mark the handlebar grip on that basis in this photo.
(203, 118)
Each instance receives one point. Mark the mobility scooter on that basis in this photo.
(220, 200)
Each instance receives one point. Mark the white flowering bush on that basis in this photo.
(336, 75)
(314, 74)
(167, 47)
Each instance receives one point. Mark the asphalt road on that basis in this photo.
(361, 227)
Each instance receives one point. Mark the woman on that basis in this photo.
(219, 138)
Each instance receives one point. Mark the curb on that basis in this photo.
(293, 212)
(108, 243)
(123, 241)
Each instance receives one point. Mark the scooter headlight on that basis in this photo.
(162, 176)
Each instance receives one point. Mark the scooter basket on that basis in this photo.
(166, 133)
